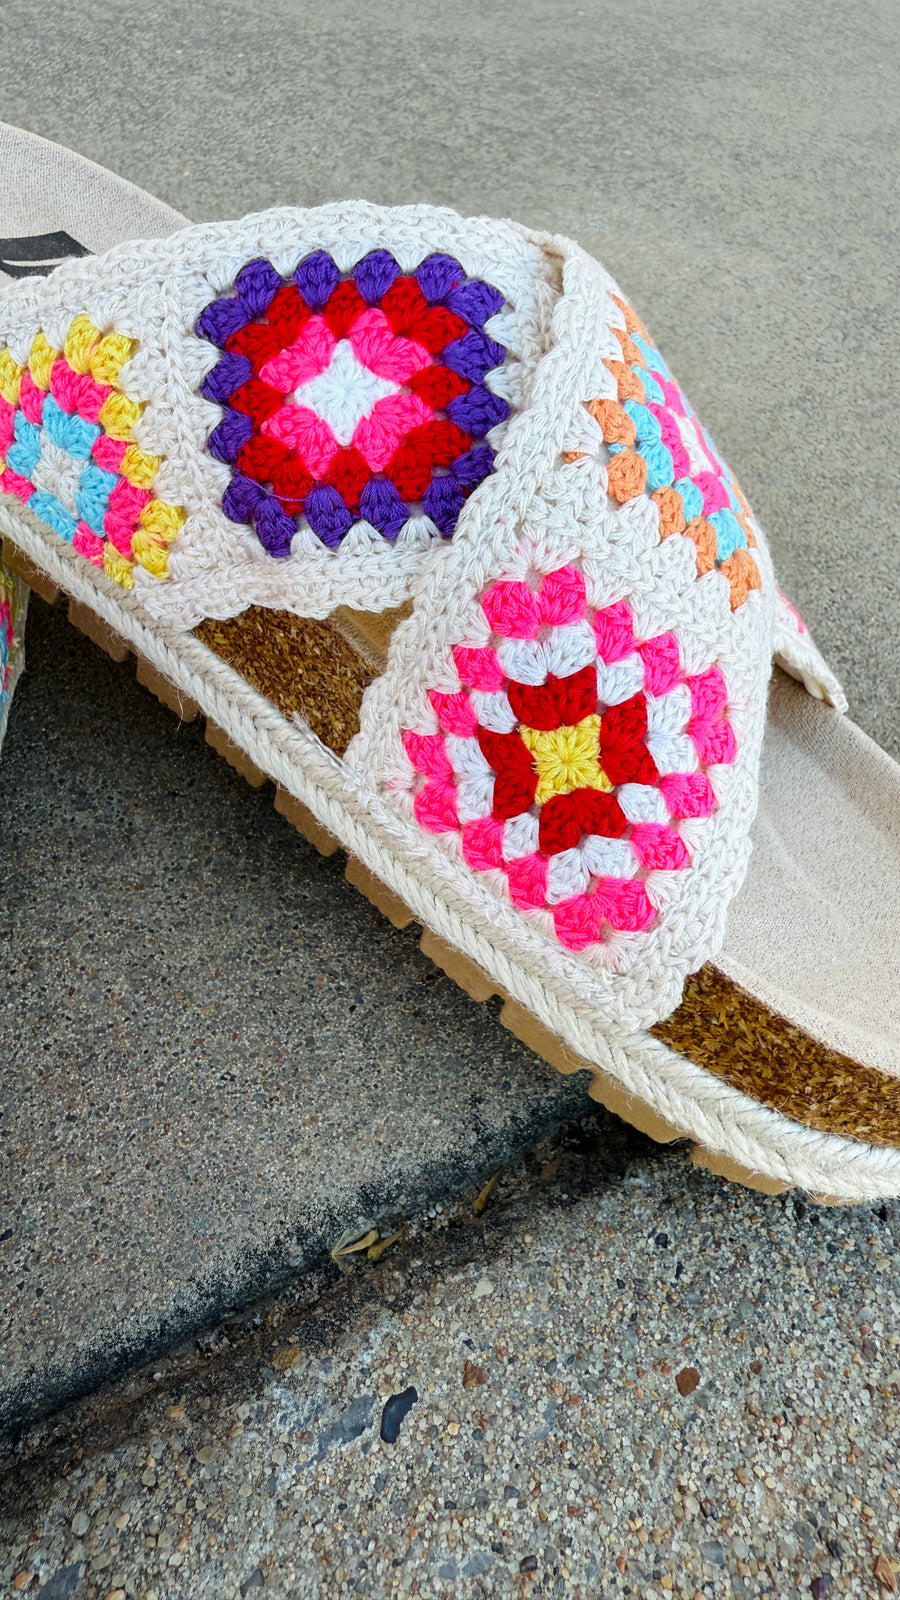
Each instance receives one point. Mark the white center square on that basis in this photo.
(58, 473)
(344, 393)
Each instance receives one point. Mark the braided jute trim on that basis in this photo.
(720, 1118)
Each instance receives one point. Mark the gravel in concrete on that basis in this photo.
(625, 1378)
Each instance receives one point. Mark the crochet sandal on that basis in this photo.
(412, 509)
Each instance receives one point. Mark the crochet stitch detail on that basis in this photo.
(656, 445)
(68, 452)
(357, 397)
(572, 756)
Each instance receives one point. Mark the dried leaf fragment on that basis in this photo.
(368, 1239)
(884, 1572)
(481, 1200)
(376, 1251)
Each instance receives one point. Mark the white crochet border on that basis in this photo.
(722, 1119)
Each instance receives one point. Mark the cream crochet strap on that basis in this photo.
(706, 1109)
(155, 293)
(362, 406)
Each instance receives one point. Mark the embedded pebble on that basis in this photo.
(687, 1380)
(473, 1375)
(396, 1408)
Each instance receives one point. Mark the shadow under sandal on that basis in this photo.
(411, 508)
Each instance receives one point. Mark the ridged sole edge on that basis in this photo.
(459, 968)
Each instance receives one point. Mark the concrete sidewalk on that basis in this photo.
(216, 1055)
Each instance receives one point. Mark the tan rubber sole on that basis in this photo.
(464, 972)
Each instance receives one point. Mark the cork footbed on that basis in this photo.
(318, 671)
(719, 1025)
(726, 1031)
(305, 668)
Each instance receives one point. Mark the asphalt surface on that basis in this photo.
(737, 169)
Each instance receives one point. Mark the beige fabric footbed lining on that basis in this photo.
(46, 188)
(815, 931)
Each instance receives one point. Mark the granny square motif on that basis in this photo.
(68, 451)
(351, 397)
(572, 757)
(656, 445)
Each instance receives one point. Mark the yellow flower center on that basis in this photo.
(567, 758)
